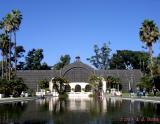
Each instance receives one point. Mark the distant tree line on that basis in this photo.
(122, 59)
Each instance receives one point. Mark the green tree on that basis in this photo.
(64, 60)
(17, 85)
(59, 84)
(95, 83)
(44, 66)
(4, 45)
(124, 58)
(7, 27)
(13, 87)
(33, 59)
(19, 51)
(17, 17)
(149, 34)
(112, 82)
(101, 58)
(19, 55)
(4, 88)
(10, 24)
(145, 82)
(43, 84)
(21, 66)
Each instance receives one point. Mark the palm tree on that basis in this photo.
(59, 85)
(95, 83)
(17, 17)
(11, 24)
(4, 45)
(7, 27)
(149, 34)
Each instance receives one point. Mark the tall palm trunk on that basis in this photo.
(9, 66)
(6, 66)
(15, 54)
(151, 59)
(2, 65)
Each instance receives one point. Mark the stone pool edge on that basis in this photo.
(142, 99)
(18, 99)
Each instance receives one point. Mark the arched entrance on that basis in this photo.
(88, 88)
(68, 88)
(77, 88)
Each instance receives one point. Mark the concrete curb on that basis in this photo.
(142, 99)
(19, 99)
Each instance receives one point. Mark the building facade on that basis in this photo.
(79, 73)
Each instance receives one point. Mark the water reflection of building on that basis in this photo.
(78, 74)
(78, 104)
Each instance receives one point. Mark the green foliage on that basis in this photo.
(17, 18)
(19, 51)
(64, 60)
(4, 47)
(155, 69)
(156, 80)
(88, 88)
(9, 25)
(124, 58)
(145, 82)
(101, 58)
(43, 84)
(112, 82)
(3, 87)
(151, 94)
(4, 43)
(149, 32)
(20, 65)
(44, 66)
(34, 59)
(59, 85)
(17, 86)
(12, 87)
(95, 82)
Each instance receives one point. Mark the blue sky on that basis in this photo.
(74, 26)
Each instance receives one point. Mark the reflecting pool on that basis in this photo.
(80, 111)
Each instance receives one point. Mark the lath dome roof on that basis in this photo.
(77, 71)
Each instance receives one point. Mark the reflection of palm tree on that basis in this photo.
(96, 108)
(60, 106)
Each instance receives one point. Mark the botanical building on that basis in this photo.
(79, 73)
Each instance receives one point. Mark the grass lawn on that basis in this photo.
(125, 94)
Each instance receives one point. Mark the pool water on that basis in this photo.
(52, 110)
